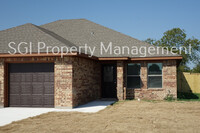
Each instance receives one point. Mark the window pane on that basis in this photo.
(133, 69)
(133, 82)
(154, 68)
(155, 81)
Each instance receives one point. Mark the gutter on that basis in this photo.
(93, 57)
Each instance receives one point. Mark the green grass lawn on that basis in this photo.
(188, 96)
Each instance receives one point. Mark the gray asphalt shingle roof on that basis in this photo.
(74, 32)
(29, 33)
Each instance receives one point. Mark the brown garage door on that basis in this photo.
(31, 85)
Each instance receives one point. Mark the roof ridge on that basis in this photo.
(55, 36)
(64, 20)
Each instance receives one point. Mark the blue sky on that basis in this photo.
(140, 19)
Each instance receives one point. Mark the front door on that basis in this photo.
(109, 81)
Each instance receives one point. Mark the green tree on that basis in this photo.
(177, 37)
(196, 69)
(150, 41)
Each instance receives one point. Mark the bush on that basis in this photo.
(170, 97)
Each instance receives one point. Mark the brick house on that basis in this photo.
(49, 80)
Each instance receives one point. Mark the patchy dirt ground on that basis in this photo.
(128, 116)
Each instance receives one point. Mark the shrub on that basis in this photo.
(170, 97)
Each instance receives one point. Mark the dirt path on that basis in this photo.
(128, 116)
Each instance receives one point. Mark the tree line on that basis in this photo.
(177, 37)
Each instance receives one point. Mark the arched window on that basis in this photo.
(155, 75)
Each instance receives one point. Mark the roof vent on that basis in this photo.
(92, 33)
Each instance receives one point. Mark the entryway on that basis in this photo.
(109, 81)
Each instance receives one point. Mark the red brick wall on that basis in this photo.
(78, 80)
(86, 80)
(169, 83)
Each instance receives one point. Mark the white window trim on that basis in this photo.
(132, 76)
(154, 76)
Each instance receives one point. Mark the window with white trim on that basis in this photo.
(155, 75)
(133, 75)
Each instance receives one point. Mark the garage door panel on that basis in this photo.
(37, 100)
(51, 77)
(27, 77)
(15, 100)
(31, 85)
(48, 100)
(26, 100)
(26, 88)
(48, 77)
(38, 77)
(15, 88)
(38, 88)
(15, 77)
(23, 77)
(49, 88)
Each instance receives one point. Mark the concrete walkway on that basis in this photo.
(10, 114)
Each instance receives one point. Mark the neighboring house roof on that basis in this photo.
(74, 32)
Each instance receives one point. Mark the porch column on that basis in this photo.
(63, 83)
(1, 84)
(120, 80)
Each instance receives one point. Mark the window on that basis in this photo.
(133, 76)
(154, 75)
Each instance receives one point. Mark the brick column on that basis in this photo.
(143, 75)
(120, 80)
(1, 84)
(170, 78)
(63, 83)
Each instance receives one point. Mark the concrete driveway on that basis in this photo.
(10, 114)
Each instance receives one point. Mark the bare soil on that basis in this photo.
(122, 117)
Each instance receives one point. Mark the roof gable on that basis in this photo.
(82, 31)
(30, 33)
